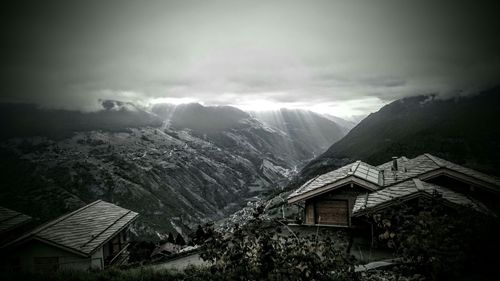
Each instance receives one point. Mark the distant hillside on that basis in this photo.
(204, 119)
(176, 165)
(309, 134)
(464, 130)
(347, 125)
(27, 120)
(313, 130)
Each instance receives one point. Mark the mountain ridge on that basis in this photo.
(459, 129)
(175, 171)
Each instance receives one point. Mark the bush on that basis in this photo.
(261, 250)
(139, 274)
(438, 241)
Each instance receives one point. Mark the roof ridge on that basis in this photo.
(351, 170)
(306, 184)
(418, 184)
(434, 159)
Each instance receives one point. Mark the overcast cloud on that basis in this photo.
(344, 57)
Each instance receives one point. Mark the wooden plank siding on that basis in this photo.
(332, 212)
(333, 208)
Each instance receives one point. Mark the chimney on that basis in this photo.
(394, 163)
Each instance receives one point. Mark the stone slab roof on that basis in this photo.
(464, 170)
(384, 176)
(357, 169)
(407, 168)
(10, 219)
(408, 190)
(415, 167)
(84, 230)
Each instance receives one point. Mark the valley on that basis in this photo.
(175, 171)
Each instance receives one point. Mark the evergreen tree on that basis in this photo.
(199, 236)
(170, 238)
(179, 240)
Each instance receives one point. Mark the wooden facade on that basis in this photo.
(332, 212)
(333, 208)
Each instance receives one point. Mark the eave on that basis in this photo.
(333, 186)
(402, 199)
(460, 177)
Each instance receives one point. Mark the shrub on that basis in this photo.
(439, 241)
(262, 250)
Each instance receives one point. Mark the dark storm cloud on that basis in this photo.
(73, 53)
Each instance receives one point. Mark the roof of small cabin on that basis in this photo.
(82, 231)
(358, 169)
(408, 190)
(383, 175)
(10, 219)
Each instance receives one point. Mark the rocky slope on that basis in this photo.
(177, 167)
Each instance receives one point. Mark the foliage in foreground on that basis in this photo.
(434, 242)
(263, 250)
(441, 242)
(105, 275)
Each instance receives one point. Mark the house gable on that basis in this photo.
(333, 207)
(348, 182)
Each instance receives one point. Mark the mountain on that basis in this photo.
(347, 125)
(461, 129)
(176, 165)
(203, 119)
(27, 120)
(312, 130)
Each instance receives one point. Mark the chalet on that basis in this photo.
(338, 197)
(91, 237)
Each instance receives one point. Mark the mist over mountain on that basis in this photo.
(346, 124)
(203, 119)
(462, 129)
(313, 130)
(176, 165)
(28, 120)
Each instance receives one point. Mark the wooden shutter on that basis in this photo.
(333, 212)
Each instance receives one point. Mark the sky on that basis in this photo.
(338, 57)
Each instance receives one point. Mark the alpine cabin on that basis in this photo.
(92, 237)
(338, 197)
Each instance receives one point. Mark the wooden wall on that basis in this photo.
(334, 207)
